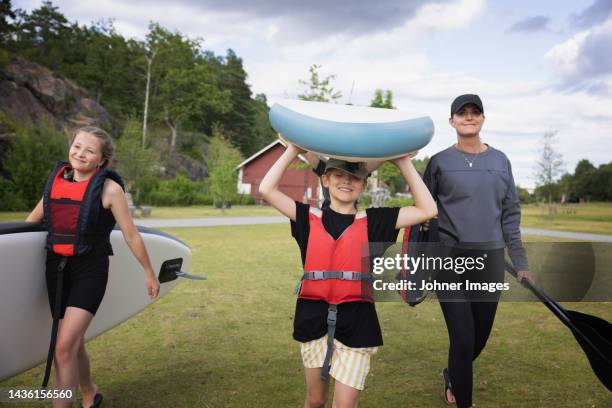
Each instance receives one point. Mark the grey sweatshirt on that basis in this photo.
(477, 203)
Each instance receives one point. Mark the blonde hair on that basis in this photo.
(106, 141)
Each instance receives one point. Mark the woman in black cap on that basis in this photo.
(473, 186)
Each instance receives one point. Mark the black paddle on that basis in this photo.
(592, 333)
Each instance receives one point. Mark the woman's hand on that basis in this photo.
(520, 275)
(152, 285)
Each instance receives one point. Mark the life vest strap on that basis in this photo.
(332, 318)
(59, 283)
(70, 237)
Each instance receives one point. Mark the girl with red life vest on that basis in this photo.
(81, 203)
(335, 318)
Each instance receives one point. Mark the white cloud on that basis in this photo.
(456, 15)
(584, 62)
(564, 56)
(387, 59)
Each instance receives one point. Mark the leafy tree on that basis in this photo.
(133, 161)
(320, 90)
(6, 16)
(44, 35)
(185, 87)
(549, 167)
(389, 174)
(186, 93)
(583, 179)
(566, 187)
(602, 183)
(31, 155)
(109, 67)
(239, 121)
(524, 195)
(381, 101)
(222, 161)
(263, 133)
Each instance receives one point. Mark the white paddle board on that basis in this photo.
(25, 316)
(347, 132)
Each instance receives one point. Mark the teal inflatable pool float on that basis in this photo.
(350, 132)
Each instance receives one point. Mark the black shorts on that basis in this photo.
(84, 281)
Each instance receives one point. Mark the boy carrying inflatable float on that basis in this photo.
(334, 307)
(81, 204)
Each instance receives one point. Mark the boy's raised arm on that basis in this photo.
(268, 187)
(424, 205)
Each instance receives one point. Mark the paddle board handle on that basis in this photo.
(185, 275)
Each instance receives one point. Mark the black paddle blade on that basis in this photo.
(592, 333)
(598, 348)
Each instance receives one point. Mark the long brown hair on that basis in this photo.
(106, 141)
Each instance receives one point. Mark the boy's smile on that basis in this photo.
(343, 187)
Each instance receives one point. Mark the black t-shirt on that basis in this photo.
(357, 324)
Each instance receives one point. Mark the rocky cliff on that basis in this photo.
(30, 93)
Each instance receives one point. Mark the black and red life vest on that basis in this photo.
(73, 214)
(334, 268)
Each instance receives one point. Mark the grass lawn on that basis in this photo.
(226, 342)
(12, 216)
(210, 211)
(595, 218)
(200, 211)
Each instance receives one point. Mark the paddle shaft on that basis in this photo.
(554, 307)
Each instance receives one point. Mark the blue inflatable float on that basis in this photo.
(350, 132)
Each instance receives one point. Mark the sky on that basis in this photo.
(538, 66)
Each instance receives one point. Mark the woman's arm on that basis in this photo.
(268, 187)
(114, 198)
(424, 205)
(37, 213)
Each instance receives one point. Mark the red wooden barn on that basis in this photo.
(299, 181)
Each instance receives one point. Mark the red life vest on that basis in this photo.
(72, 211)
(348, 254)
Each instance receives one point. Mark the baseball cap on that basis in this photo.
(357, 169)
(466, 99)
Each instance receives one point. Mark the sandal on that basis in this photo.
(447, 386)
(96, 402)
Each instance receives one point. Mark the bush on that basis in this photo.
(177, 192)
(32, 152)
(10, 198)
(399, 202)
(244, 199)
(365, 201)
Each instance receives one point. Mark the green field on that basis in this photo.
(209, 211)
(196, 211)
(226, 342)
(595, 218)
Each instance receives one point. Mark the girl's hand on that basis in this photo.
(412, 155)
(407, 157)
(294, 149)
(152, 286)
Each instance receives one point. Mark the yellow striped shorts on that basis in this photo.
(349, 365)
